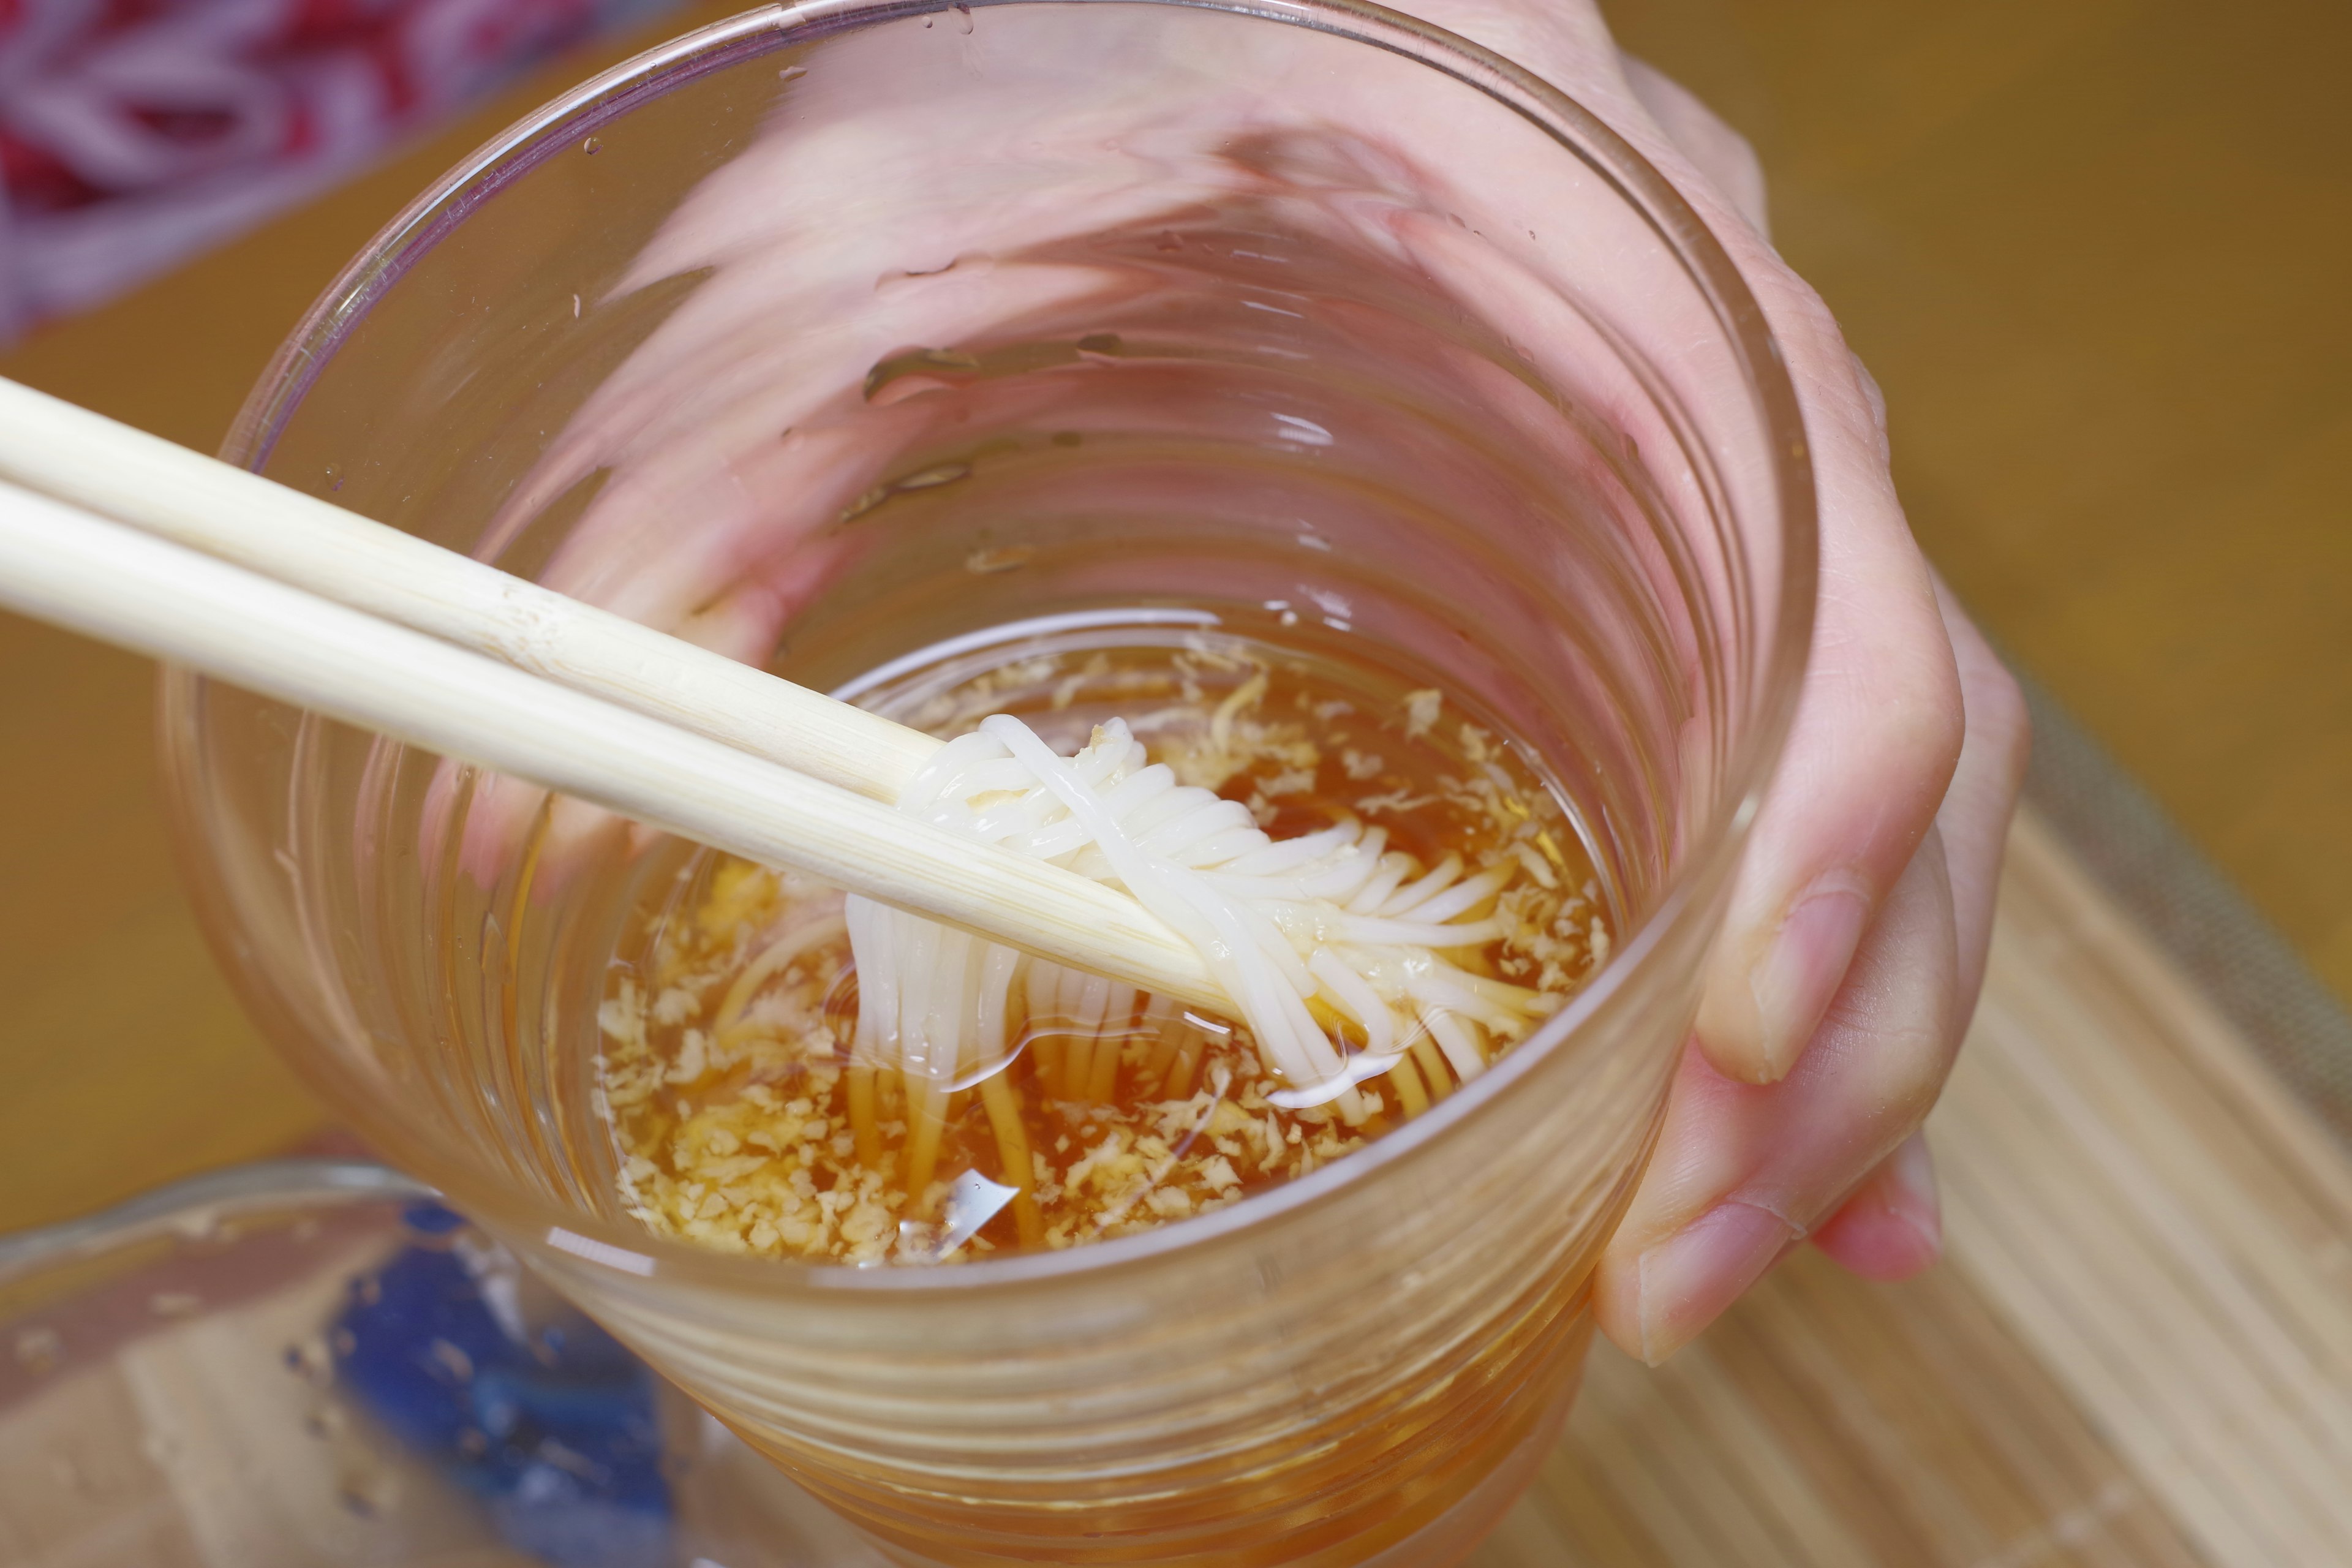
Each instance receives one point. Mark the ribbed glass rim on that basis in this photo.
(1782, 648)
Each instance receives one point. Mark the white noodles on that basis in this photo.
(1326, 917)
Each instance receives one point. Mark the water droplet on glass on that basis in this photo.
(593, 145)
(791, 73)
(334, 476)
(932, 479)
(933, 362)
(988, 562)
(964, 20)
(866, 502)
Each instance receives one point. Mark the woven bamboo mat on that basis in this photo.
(2137, 1353)
(2138, 1350)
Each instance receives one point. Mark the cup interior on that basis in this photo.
(857, 340)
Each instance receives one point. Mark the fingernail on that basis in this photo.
(1692, 1276)
(1793, 983)
(1911, 1195)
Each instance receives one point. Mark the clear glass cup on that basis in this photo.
(838, 332)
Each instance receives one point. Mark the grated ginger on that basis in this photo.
(741, 1124)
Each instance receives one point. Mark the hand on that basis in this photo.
(1856, 938)
(1857, 931)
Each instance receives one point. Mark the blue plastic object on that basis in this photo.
(556, 1431)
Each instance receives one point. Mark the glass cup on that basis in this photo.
(852, 338)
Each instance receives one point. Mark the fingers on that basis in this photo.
(1880, 724)
(1833, 1150)
(1893, 1226)
(1974, 820)
(1743, 1170)
(1722, 154)
(1878, 1232)
(1877, 734)
(1834, 1001)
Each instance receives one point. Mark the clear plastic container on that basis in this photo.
(838, 332)
(311, 1364)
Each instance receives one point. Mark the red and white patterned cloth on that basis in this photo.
(134, 133)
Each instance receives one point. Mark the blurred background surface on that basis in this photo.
(2092, 250)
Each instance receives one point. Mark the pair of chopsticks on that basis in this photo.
(130, 538)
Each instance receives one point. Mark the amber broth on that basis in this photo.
(742, 1121)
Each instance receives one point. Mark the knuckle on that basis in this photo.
(1897, 1066)
(1998, 718)
(1923, 722)
(1874, 397)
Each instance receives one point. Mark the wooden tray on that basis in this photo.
(2138, 1350)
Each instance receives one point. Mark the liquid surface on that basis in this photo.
(743, 1121)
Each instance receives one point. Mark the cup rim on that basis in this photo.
(563, 120)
